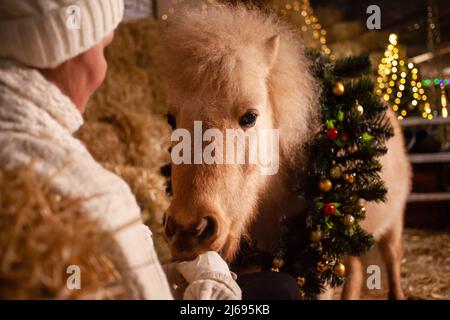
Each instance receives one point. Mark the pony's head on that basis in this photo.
(237, 79)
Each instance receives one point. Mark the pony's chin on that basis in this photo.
(183, 255)
(229, 249)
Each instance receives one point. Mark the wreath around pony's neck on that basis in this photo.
(342, 175)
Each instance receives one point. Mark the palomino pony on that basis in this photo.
(239, 68)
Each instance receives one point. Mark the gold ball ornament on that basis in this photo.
(277, 264)
(352, 149)
(338, 88)
(336, 172)
(339, 269)
(322, 266)
(348, 220)
(358, 109)
(349, 178)
(302, 295)
(325, 185)
(300, 281)
(315, 236)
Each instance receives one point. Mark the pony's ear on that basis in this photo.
(271, 46)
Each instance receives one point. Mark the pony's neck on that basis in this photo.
(278, 199)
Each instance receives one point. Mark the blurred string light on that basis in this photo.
(398, 83)
(301, 14)
(444, 111)
(442, 83)
(202, 6)
(434, 42)
(435, 81)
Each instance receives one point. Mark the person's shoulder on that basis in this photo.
(73, 170)
(68, 157)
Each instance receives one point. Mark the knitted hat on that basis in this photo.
(45, 33)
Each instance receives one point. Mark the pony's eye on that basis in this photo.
(248, 119)
(171, 120)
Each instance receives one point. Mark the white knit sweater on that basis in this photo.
(36, 123)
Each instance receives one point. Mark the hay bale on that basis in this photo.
(42, 233)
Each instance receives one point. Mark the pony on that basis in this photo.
(238, 67)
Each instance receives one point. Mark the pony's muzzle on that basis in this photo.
(190, 240)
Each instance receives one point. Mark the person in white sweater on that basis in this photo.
(51, 61)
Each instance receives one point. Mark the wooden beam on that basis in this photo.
(430, 157)
(417, 121)
(428, 197)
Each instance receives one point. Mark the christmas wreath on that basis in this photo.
(342, 174)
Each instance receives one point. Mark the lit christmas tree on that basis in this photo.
(398, 83)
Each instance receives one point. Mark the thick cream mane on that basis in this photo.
(200, 61)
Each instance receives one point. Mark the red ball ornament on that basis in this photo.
(332, 134)
(328, 209)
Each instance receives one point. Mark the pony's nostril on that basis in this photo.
(202, 226)
(170, 227)
(207, 228)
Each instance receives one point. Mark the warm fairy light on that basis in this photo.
(443, 100)
(203, 7)
(444, 111)
(393, 39)
(311, 22)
